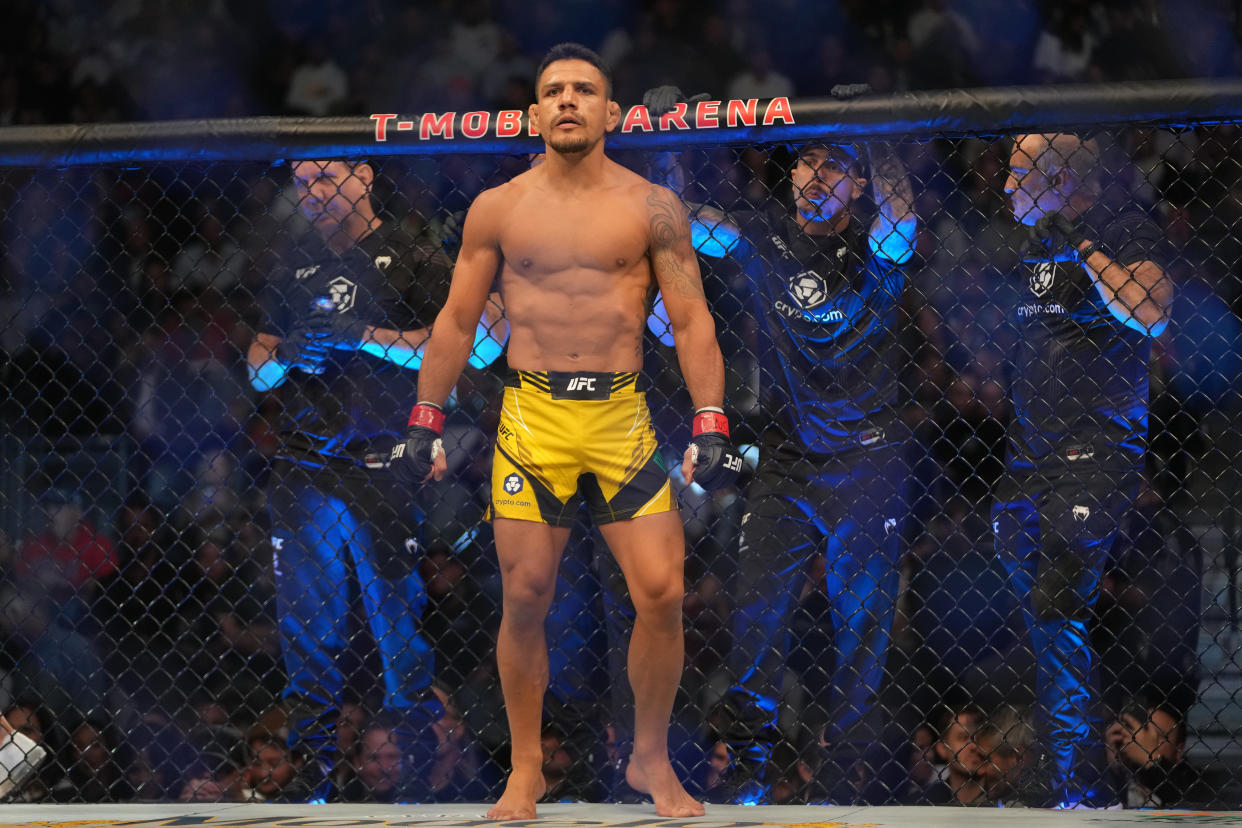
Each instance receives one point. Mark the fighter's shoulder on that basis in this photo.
(491, 207)
(650, 197)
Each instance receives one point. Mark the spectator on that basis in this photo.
(66, 561)
(318, 86)
(460, 772)
(475, 38)
(945, 46)
(138, 608)
(20, 752)
(1063, 51)
(759, 79)
(218, 770)
(211, 260)
(95, 764)
(53, 662)
(1008, 745)
(376, 771)
(960, 778)
(1147, 754)
(273, 771)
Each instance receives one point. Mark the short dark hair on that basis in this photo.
(575, 51)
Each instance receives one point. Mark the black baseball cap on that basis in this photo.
(842, 156)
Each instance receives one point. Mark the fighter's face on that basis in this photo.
(1033, 193)
(822, 189)
(330, 190)
(572, 110)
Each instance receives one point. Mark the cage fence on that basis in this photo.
(984, 548)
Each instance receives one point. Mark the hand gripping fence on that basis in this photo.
(982, 351)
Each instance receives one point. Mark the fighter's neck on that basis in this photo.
(576, 170)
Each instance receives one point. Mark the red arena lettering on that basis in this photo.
(381, 125)
(778, 108)
(637, 118)
(707, 115)
(433, 124)
(741, 113)
(474, 124)
(675, 118)
(508, 123)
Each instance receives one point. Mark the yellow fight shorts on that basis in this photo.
(566, 436)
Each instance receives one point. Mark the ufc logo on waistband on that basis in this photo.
(580, 384)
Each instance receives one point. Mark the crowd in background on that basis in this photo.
(77, 61)
(138, 636)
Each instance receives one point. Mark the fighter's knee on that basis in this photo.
(527, 595)
(658, 599)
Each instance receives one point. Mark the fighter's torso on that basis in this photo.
(576, 274)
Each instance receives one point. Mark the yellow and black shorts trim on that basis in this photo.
(566, 436)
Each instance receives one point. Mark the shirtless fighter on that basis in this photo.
(580, 246)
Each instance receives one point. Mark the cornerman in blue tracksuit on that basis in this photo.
(825, 291)
(341, 340)
(1095, 294)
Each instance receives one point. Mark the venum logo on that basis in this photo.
(1081, 513)
(1043, 277)
(513, 483)
(342, 292)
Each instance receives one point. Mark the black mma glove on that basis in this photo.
(660, 100)
(302, 349)
(716, 462)
(335, 329)
(412, 460)
(1053, 235)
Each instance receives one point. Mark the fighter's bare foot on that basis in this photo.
(655, 776)
(522, 791)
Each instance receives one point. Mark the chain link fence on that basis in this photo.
(984, 550)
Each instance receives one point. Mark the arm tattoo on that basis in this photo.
(670, 243)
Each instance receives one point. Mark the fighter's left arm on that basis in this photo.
(895, 228)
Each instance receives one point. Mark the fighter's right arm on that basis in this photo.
(453, 334)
